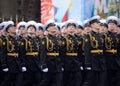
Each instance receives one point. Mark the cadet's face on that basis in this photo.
(64, 31)
(111, 26)
(87, 29)
(40, 33)
(78, 32)
(71, 29)
(103, 29)
(12, 29)
(22, 30)
(31, 29)
(116, 30)
(95, 25)
(52, 29)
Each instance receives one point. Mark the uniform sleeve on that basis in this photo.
(103, 42)
(80, 51)
(4, 54)
(118, 45)
(22, 51)
(63, 51)
(43, 53)
(87, 51)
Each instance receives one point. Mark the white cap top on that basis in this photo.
(40, 25)
(58, 26)
(86, 22)
(112, 18)
(22, 23)
(7, 24)
(48, 23)
(95, 17)
(62, 25)
(103, 21)
(3, 24)
(31, 23)
(70, 21)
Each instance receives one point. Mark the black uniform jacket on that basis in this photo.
(112, 51)
(10, 54)
(29, 52)
(51, 56)
(94, 48)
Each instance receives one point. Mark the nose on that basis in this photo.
(30, 27)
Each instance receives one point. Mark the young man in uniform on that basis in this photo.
(40, 30)
(94, 59)
(112, 57)
(72, 60)
(29, 51)
(11, 61)
(51, 60)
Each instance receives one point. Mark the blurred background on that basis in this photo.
(59, 10)
(20, 9)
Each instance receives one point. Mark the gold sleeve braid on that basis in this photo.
(49, 44)
(108, 42)
(10, 46)
(28, 44)
(83, 44)
(37, 46)
(0, 42)
(93, 41)
(69, 45)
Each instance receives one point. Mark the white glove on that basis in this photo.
(24, 69)
(5, 70)
(45, 70)
(88, 68)
(81, 68)
(62, 69)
